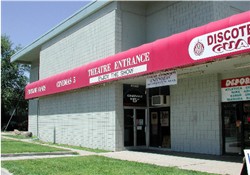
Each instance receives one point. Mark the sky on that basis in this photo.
(26, 21)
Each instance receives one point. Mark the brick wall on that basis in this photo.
(236, 73)
(32, 118)
(223, 9)
(93, 117)
(168, 18)
(119, 117)
(89, 40)
(84, 117)
(195, 115)
(133, 24)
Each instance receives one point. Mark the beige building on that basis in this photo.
(90, 88)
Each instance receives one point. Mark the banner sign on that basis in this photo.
(227, 37)
(220, 42)
(169, 78)
(235, 89)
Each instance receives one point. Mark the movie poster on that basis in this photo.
(164, 117)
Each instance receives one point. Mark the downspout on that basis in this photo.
(37, 119)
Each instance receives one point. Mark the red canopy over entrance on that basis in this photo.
(227, 37)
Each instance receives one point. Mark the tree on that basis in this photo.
(13, 82)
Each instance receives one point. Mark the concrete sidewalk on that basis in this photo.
(197, 164)
(188, 161)
(5, 172)
(80, 152)
(210, 166)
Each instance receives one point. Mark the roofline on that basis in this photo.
(73, 19)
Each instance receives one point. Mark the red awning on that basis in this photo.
(227, 37)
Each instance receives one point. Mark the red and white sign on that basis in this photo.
(165, 79)
(121, 68)
(228, 40)
(180, 50)
(235, 89)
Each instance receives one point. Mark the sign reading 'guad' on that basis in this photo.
(224, 41)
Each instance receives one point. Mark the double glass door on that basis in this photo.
(236, 126)
(134, 127)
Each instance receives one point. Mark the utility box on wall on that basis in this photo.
(160, 100)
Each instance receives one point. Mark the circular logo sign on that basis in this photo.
(198, 48)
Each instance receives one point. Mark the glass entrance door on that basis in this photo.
(236, 126)
(134, 127)
(128, 127)
(246, 117)
(160, 127)
(140, 127)
(232, 127)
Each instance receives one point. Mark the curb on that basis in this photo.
(39, 154)
(5, 172)
(72, 150)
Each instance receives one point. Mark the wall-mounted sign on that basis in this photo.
(134, 95)
(235, 89)
(228, 40)
(166, 79)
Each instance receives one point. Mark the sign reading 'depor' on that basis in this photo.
(169, 78)
(235, 89)
(231, 39)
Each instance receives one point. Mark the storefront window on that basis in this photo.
(236, 126)
(159, 118)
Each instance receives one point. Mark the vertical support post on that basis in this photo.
(54, 134)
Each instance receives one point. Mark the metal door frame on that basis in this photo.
(134, 123)
(242, 128)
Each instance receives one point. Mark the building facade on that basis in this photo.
(193, 115)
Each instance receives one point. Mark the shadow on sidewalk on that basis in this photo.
(226, 158)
